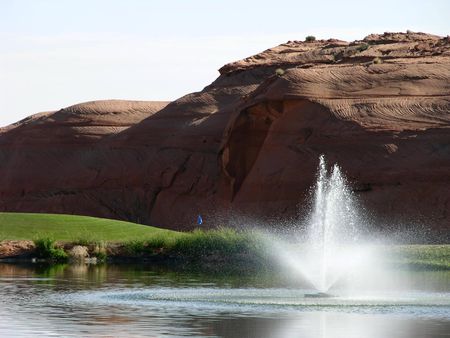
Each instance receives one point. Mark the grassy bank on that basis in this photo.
(55, 236)
(29, 226)
(430, 257)
(219, 245)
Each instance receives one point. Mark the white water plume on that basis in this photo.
(332, 249)
(332, 229)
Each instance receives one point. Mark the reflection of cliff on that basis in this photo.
(250, 141)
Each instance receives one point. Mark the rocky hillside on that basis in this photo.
(247, 146)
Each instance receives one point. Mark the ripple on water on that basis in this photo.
(270, 300)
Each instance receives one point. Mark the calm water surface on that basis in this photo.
(130, 301)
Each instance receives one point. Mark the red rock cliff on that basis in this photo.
(248, 144)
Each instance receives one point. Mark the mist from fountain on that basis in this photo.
(332, 227)
(331, 248)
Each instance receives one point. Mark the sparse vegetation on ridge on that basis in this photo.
(377, 61)
(362, 47)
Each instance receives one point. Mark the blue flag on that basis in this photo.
(199, 220)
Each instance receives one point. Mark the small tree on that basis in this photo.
(362, 47)
(279, 72)
(310, 38)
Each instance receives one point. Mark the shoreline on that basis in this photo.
(25, 251)
(416, 256)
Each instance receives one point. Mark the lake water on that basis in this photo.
(139, 301)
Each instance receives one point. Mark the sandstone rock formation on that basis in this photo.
(248, 144)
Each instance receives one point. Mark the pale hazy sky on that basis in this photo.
(55, 53)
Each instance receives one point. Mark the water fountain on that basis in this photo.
(332, 228)
(330, 247)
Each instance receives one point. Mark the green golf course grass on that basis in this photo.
(30, 226)
(141, 240)
(137, 240)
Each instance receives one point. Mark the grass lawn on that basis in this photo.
(137, 240)
(140, 240)
(432, 257)
(23, 226)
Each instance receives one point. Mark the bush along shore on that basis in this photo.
(207, 249)
(52, 239)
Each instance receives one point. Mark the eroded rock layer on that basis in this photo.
(248, 144)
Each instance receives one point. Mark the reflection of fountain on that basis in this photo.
(318, 295)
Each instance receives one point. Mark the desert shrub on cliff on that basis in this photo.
(377, 61)
(279, 72)
(310, 38)
(362, 47)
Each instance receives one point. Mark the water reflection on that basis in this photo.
(140, 301)
(330, 325)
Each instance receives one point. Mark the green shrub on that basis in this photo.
(158, 242)
(101, 256)
(435, 253)
(195, 244)
(149, 245)
(310, 38)
(46, 248)
(225, 241)
(135, 248)
(279, 72)
(377, 61)
(99, 251)
(362, 47)
(83, 242)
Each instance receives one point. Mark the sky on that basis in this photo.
(55, 53)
